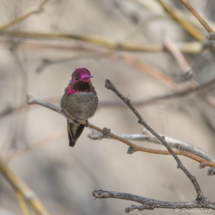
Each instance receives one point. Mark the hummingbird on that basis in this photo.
(80, 100)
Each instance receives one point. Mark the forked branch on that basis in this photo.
(200, 197)
(149, 204)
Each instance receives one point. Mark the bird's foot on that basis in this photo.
(87, 123)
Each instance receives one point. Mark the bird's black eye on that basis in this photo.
(76, 78)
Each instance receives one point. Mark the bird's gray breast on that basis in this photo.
(82, 105)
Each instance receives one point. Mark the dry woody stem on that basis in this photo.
(146, 137)
(202, 21)
(33, 100)
(200, 197)
(149, 204)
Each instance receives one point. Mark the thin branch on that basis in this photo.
(188, 72)
(37, 9)
(106, 132)
(185, 47)
(183, 22)
(175, 51)
(149, 204)
(192, 48)
(148, 69)
(22, 203)
(22, 188)
(200, 197)
(201, 20)
(89, 39)
(146, 137)
(178, 94)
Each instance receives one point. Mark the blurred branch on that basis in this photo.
(47, 62)
(211, 32)
(188, 72)
(175, 51)
(158, 10)
(89, 39)
(22, 188)
(10, 110)
(202, 21)
(128, 59)
(106, 132)
(178, 94)
(22, 203)
(148, 69)
(177, 144)
(150, 204)
(37, 9)
(190, 47)
(183, 22)
(42, 141)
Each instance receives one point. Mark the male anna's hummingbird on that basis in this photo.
(80, 100)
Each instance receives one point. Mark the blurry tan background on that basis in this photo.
(65, 177)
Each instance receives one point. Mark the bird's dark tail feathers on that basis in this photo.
(74, 132)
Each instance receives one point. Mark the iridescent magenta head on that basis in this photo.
(82, 74)
(80, 82)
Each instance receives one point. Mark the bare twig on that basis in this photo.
(22, 188)
(175, 51)
(19, 19)
(174, 95)
(149, 204)
(202, 21)
(33, 100)
(146, 137)
(183, 22)
(200, 197)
